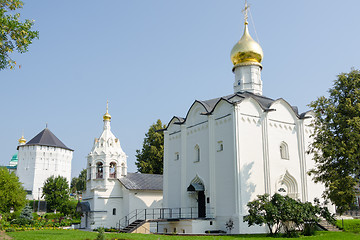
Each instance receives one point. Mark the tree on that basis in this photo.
(287, 214)
(12, 193)
(56, 193)
(78, 184)
(150, 158)
(14, 33)
(336, 141)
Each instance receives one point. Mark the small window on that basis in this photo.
(114, 211)
(123, 169)
(112, 172)
(197, 153)
(89, 172)
(99, 170)
(165, 230)
(220, 146)
(177, 156)
(208, 200)
(284, 151)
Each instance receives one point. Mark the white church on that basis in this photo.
(229, 149)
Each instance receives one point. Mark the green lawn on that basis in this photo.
(80, 235)
(350, 225)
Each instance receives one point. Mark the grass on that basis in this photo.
(80, 235)
(350, 225)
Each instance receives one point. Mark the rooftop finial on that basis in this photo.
(46, 125)
(245, 12)
(107, 116)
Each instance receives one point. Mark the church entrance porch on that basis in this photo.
(197, 187)
(166, 215)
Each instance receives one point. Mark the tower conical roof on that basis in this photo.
(47, 138)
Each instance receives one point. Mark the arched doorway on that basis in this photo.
(196, 186)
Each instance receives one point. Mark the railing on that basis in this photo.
(158, 214)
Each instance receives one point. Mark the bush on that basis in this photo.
(10, 230)
(101, 234)
(287, 214)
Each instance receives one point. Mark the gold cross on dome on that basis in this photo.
(245, 11)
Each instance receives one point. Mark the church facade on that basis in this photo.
(230, 149)
(111, 192)
(40, 158)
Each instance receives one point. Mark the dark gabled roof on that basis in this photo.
(47, 138)
(142, 181)
(210, 104)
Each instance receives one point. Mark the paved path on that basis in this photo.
(3, 236)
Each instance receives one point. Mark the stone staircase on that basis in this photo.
(132, 226)
(328, 227)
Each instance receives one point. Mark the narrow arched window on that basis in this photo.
(112, 170)
(284, 151)
(89, 171)
(114, 211)
(197, 153)
(123, 169)
(99, 170)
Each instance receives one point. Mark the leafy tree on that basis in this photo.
(78, 184)
(150, 158)
(14, 33)
(56, 193)
(12, 193)
(337, 140)
(284, 213)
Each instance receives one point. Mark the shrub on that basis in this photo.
(287, 214)
(101, 234)
(10, 230)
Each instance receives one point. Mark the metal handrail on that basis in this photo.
(161, 214)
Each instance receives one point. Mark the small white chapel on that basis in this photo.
(228, 150)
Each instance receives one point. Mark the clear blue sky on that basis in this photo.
(152, 59)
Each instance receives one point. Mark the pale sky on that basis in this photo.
(152, 58)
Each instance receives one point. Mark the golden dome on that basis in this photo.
(107, 116)
(246, 50)
(22, 140)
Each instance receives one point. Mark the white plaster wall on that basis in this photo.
(140, 199)
(250, 149)
(174, 170)
(37, 163)
(224, 175)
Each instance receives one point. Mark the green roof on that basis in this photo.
(14, 158)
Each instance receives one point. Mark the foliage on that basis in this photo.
(56, 193)
(150, 158)
(78, 184)
(287, 214)
(26, 216)
(14, 35)
(12, 194)
(350, 225)
(337, 140)
(101, 234)
(229, 225)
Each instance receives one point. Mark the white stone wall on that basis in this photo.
(37, 163)
(249, 162)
